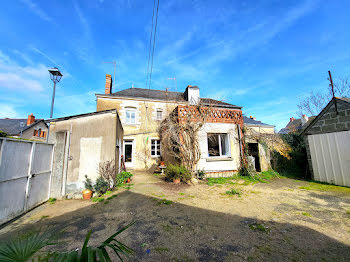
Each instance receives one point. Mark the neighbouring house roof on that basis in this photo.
(253, 122)
(165, 96)
(13, 126)
(80, 115)
(295, 125)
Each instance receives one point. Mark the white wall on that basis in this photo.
(211, 164)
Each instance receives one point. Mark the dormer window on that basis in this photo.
(130, 116)
(159, 114)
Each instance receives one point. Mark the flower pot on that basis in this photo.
(162, 163)
(176, 180)
(87, 194)
(128, 180)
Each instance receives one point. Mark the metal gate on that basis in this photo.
(330, 154)
(25, 174)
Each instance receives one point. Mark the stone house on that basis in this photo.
(30, 128)
(142, 110)
(327, 140)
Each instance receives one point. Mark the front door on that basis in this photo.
(128, 153)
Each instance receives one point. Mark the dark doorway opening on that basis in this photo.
(253, 150)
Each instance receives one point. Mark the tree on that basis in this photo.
(315, 101)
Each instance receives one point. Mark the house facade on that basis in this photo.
(142, 110)
(30, 128)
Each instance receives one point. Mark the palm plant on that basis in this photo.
(27, 248)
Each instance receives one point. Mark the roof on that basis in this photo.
(296, 125)
(165, 96)
(345, 99)
(13, 126)
(250, 121)
(81, 115)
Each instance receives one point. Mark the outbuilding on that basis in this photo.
(82, 143)
(327, 140)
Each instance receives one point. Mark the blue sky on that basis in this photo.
(262, 55)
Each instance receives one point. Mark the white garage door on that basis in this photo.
(330, 154)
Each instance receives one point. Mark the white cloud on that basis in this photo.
(16, 82)
(37, 10)
(8, 111)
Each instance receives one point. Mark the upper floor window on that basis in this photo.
(159, 114)
(130, 116)
(155, 147)
(218, 145)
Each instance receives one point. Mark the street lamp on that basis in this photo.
(55, 76)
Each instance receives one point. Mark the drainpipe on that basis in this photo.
(240, 142)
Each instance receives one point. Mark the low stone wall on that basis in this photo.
(226, 173)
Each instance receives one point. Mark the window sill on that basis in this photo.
(219, 158)
(155, 156)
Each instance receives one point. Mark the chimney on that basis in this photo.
(31, 119)
(291, 119)
(192, 95)
(304, 119)
(108, 87)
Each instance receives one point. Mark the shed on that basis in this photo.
(82, 142)
(327, 140)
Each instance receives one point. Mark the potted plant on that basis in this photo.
(87, 192)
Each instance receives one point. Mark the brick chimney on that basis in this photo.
(31, 119)
(304, 119)
(291, 119)
(108, 86)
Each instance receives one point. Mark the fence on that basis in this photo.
(25, 176)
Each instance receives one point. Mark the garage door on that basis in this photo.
(330, 154)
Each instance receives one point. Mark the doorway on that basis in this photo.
(128, 152)
(253, 150)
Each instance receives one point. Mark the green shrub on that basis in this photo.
(101, 186)
(173, 172)
(200, 174)
(122, 177)
(3, 134)
(233, 192)
(88, 183)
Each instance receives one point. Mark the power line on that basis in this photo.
(154, 41)
(150, 42)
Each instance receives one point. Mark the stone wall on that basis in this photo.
(330, 121)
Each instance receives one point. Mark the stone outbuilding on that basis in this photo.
(327, 140)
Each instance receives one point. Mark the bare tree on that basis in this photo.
(179, 134)
(108, 171)
(316, 101)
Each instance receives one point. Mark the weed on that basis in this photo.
(181, 194)
(106, 202)
(259, 227)
(43, 217)
(165, 202)
(348, 212)
(219, 180)
(111, 197)
(167, 228)
(180, 198)
(233, 192)
(52, 200)
(161, 249)
(108, 193)
(101, 199)
(97, 199)
(306, 214)
(319, 186)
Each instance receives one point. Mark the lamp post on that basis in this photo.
(55, 76)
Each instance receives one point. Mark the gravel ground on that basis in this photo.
(275, 221)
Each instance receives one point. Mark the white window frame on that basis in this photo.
(157, 142)
(220, 149)
(130, 110)
(161, 114)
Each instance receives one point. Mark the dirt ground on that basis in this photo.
(205, 224)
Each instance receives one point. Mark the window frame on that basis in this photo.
(127, 120)
(157, 152)
(161, 114)
(227, 138)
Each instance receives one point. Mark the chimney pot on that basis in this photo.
(31, 119)
(108, 86)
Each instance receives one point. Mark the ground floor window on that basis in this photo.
(218, 145)
(155, 147)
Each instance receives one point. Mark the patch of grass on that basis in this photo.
(181, 198)
(111, 197)
(259, 227)
(165, 202)
(167, 228)
(219, 180)
(108, 193)
(233, 192)
(319, 186)
(97, 199)
(161, 249)
(43, 217)
(106, 202)
(181, 194)
(348, 212)
(52, 200)
(306, 214)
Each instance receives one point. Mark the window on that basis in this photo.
(39, 132)
(159, 114)
(130, 114)
(155, 147)
(218, 145)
